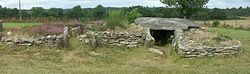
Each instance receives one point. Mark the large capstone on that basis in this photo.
(162, 29)
(165, 23)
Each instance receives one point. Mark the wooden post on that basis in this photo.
(1, 25)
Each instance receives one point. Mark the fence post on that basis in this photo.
(1, 25)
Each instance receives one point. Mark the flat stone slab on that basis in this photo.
(165, 23)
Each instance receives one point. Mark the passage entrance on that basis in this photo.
(162, 37)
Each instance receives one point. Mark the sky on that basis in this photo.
(28, 4)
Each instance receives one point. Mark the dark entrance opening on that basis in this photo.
(162, 37)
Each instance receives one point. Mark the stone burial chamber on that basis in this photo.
(188, 39)
(162, 29)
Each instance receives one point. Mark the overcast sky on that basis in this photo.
(27, 4)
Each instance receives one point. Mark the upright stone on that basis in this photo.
(1, 25)
(149, 40)
(93, 42)
(65, 37)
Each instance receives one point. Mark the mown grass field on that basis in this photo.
(119, 60)
(19, 25)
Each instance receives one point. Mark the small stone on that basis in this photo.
(156, 51)
(9, 33)
(131, 46)
(82, 36)
(49, 36)
(26, 44)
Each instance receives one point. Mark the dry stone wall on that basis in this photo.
(188, 51)
(51, 40)
(128, 39)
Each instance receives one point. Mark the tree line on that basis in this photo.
(100, 12)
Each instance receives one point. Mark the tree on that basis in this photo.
(132, 15)
(99, 12)
(1, 11)
(76, 12)
(26, 14)
(55, 12)
(240, 8)
(4, 12)
(217, 13)
(13, 12)
(186, 7)
(38, 12)
(248, 11)
(145, 11)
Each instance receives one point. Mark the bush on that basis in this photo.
(240, 28)
(134, 14)
(116, 19)
(226, 26)
(215, 24)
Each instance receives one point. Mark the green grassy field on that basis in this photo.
(118, 60)
(19, 25)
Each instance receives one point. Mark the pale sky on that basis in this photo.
(27, 4)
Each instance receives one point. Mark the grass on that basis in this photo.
(119, 60)
(245, 22)
(18, 25)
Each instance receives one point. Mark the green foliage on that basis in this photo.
(8, 13)
(116, 19)
(167, 12)
(134, 14)
(99, 12)
(38, 12)
(145, 11)
(75, 13)
(186, 7)
(240, 28)
(201, 15)
(217, 14)
(56, 12)
(19, 25)
(216, 24)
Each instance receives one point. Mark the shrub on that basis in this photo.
(134, 14)
(240, 28)
(215, 24)
(116, 19)
(226, 26)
